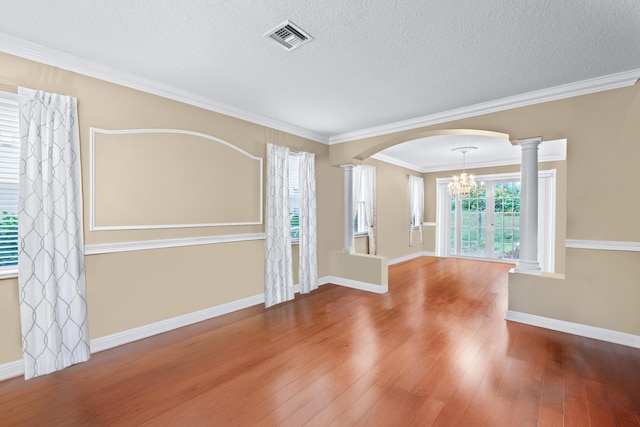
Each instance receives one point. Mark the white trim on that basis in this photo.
(603, 245)
(135, 334)
(107, 248)
(430, 224)
(11, 369)
(397, 162)
(46, 55)
(16, 368)
(584, 87)
(410, 257)
(541, 159)
(92, 195)
(9, 273)
(355, 284)
(473, 258)
(575, 328)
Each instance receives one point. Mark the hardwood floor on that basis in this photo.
(435, 350)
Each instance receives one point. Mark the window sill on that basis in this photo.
(9, 274)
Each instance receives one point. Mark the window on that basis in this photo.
(294, 195)
(416, 200)
(360, 223)
(364, 198)
(486, 224)
(9, 173)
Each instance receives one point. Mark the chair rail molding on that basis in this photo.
(603, 245)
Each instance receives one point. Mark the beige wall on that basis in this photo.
(602, 131)
(392, 205)
(132, 289)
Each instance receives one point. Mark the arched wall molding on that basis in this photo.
(405, 137)
(95, 225)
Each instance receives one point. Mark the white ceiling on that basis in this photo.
(439, 153)
(372, 63)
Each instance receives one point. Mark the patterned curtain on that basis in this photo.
(364, 194)
(368, 188)
(416, 206)
(308, 263)
(278, 268)
(53, 303)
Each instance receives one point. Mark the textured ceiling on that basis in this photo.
(372, 63)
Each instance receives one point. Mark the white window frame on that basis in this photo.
(8, 101)
(294, 190)
(546, 215)
(360, 228)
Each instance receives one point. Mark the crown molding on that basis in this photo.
(583, 87)
(45, 55)
(56, 58)
(452, 167)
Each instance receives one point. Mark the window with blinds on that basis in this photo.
(294, 195)
(9, 173)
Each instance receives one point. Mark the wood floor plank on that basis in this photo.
(435, 350)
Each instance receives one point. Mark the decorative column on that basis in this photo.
(457, 237)
(349, 244)
(528, 262)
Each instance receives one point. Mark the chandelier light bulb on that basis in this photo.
(464, 184)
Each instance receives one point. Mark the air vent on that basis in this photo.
(289, 35)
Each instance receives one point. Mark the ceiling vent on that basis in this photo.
(289, 35)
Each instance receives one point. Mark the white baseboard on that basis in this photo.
(16, 368)
(355, 284)
(11, 369)
(575, 328)
(410, 256)
(135, 334)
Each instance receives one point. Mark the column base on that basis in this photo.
(528, 267)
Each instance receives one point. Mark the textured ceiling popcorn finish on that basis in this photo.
(372, 64)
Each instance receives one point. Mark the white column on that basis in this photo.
(457, 233)
(528, 262)
(349, 244)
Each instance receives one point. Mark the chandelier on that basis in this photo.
(464, 184)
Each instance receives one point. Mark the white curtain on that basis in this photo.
(308, 245)
(51, 278)
(278, 269)
(364, 195)
(416, 206)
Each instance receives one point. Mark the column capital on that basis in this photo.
(348, 166)
(530, 142)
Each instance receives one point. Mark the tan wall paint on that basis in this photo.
(602, 131)
(370, 269)
(132, 289)
(10, 338)
(601, 289)
(392, 200)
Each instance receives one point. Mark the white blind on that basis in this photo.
(294, 195)
(9, 173)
